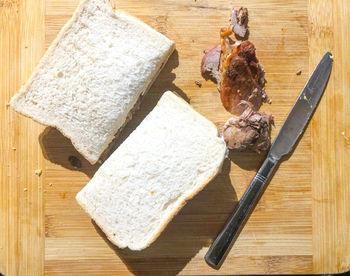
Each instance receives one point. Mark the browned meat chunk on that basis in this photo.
(211, 59)
(250, 131)
(241, 80)
(239, 21)
(238, 73)
(242, 77)
(210, 64)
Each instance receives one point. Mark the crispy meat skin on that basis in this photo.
(242, 78)
(250, 131)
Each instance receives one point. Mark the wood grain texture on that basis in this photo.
(22, 38)
(301, 222)
(280, 226)
(329, 31)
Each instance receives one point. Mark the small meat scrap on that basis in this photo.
(242, 77)
(298, 73)
(250, 131)
(210, 64)
(239, 21)
(198, 83)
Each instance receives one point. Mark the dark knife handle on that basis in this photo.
(246, 205)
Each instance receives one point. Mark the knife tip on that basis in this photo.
(330, 55)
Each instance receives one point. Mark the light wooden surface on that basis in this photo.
(22, 36)
(330, 29)
(301, 224)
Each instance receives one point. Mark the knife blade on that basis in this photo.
(283, 144)
(303, 109)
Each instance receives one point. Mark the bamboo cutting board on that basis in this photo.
(301, 224)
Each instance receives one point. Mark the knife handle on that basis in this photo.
(234, 225)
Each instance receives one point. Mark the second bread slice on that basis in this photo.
(167, 160)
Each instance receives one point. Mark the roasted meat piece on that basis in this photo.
(210, 64)
(211, 60)
(239, 21)
(250, 131)
(237, 71)
(242, 77)
(241, 80)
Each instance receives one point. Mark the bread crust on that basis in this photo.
(24, 89)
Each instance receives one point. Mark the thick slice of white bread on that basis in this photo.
(166, 161)
(92, 75)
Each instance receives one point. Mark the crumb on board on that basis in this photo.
(270, 101)
(198, 83)
(298, 73)
(345, 137)
(99, 161)
(25, 189)
(50, 184)
(7, 105)
(38, 172)
(13, 148)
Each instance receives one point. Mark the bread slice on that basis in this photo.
(92, 75)
(166, 161)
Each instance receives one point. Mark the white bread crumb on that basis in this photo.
(38, 172)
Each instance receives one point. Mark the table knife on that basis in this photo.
(283, 145)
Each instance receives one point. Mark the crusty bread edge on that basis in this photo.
(49, 51)
(182, 203)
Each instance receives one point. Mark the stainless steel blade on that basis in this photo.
(303, 109)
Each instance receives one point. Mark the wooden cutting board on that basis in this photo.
(301, 224)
